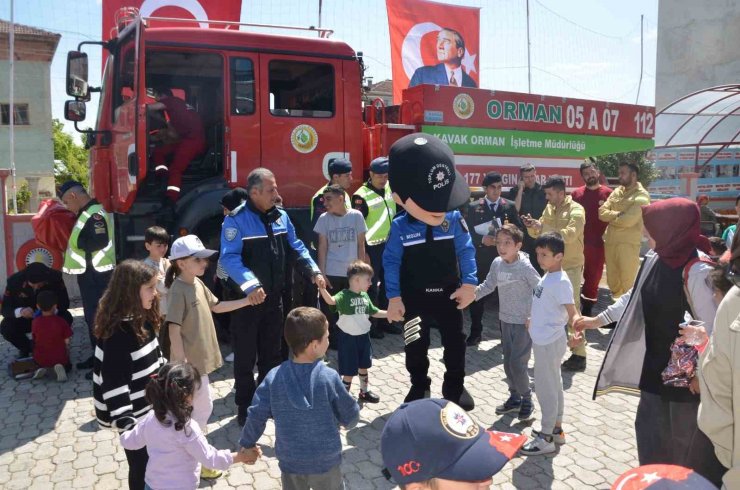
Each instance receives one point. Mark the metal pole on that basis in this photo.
(319, 14)
(11, 108)
(639, 84)
(529, 54)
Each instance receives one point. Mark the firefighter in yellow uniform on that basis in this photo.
(568, 218)
(623, 211)
(90, 255)
(374, 199)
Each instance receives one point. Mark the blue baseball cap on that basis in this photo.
(434, 438)
(339, 166)
(379, 165)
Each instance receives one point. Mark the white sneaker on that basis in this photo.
(39, 374)
(229, 358)
(541, 444)
(61, 372)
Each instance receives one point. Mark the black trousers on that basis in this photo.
(377, 290)
(256, 332)
(16, 330)
(439, 309)
(478, 307)
(667, 433)
(137, 461)
(92, 285)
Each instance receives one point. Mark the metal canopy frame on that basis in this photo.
(707, 119)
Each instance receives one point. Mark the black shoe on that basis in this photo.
(241, 415)
(376, 333)
(575, 363)
(393, 328)
(587, 306)
(417, 393)
(89, 375)
(86, 364)
(466, 401)
(369, 397)
(473, 341)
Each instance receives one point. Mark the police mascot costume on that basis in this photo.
(429, 261)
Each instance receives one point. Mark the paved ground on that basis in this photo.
(48, 437)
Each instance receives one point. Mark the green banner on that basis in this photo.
(481, 141)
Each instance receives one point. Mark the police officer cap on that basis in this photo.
(491, 178)
(422, 167)
(70, 184)
(379, 165)
(234, 198)
(340, 166)
(36, 272)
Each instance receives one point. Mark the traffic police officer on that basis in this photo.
(91, 253)
(257, 240)
(429, 261)
(374, 200)
(494, 210)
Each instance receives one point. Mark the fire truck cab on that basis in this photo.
(290, 104)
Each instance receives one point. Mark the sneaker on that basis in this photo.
(558, 435)
(541, 444)
(39, 374)
(209, 474)
(369, 397)
(229, 358)
(60, 372)
(575, 363)
(87, 363)
(526, 410)
(511, 405)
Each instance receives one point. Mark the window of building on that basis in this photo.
(20, 115)
(301, 89)
(242, 86)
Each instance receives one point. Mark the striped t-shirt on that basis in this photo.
(121, 371)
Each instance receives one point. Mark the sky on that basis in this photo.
(588, 49)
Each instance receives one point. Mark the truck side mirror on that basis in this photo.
(77, 85)
(75, 110)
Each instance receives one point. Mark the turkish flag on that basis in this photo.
(424, 34)
(226, 10)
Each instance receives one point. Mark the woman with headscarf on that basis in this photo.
(672, 280)
(719, 377)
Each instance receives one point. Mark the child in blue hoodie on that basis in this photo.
(308, 402)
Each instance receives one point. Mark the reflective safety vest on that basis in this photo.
(380, 213)
(102, 260)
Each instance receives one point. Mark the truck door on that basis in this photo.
(242, 128)
(126, 129)
(302, 122)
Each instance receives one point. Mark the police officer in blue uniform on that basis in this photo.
(494, 210)
(257, 241)
(429, 261)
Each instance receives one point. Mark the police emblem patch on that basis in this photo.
(445, 226)
(230, 234)
(457, 422)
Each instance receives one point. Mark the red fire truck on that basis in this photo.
(291, 104)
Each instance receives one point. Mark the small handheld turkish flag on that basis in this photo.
(433, 43)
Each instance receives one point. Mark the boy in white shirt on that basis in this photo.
(552, 308)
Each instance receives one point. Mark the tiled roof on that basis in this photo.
(386, 86)
(21, 29)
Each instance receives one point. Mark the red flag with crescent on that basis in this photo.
(433, 43)
(226, 10)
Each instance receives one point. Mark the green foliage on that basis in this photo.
(70, 158)
(609, 165)
(22, 198)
